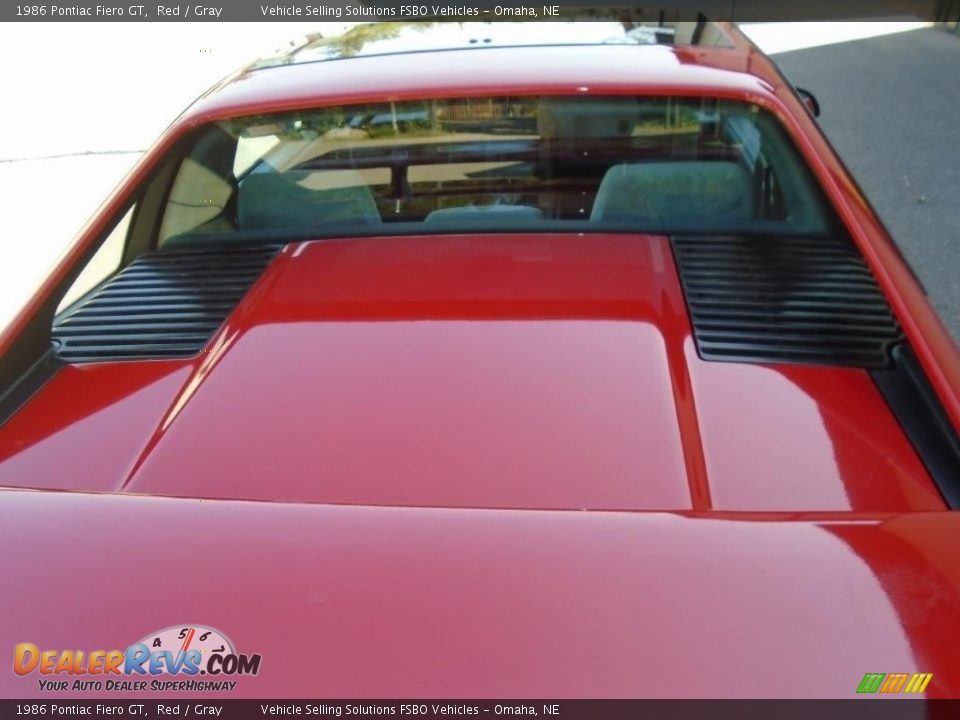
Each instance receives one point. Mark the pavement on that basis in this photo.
(90, 98)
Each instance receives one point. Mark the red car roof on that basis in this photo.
(595, 69)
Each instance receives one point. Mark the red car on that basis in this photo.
(427, 362)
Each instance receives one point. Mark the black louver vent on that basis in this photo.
(797, 300)
(164, 304)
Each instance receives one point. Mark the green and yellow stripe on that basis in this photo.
(894, 683)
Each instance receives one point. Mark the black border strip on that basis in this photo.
(914, 403)
(29, 384)
(872, 707)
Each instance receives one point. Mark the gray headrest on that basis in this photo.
(277, 200)
(675, 191)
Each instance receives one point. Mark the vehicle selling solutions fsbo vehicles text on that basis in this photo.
(421, 11)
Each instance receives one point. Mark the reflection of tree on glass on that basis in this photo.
(353, 41)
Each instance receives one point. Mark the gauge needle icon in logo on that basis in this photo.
(187, 639)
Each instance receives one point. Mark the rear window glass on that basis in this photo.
(502, 163)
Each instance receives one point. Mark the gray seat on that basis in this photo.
(485, 215)
(675, 192)
(271, 200)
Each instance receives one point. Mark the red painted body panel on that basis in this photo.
(417, 602)
(82, 431)
(463, 371)
(820, 438)
(525, 371)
